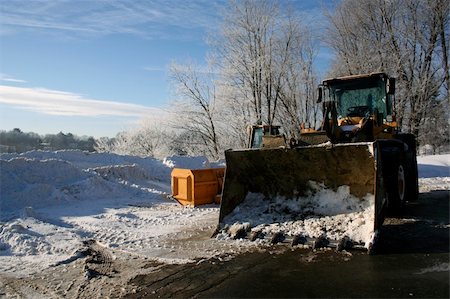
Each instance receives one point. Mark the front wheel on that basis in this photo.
(397, 189)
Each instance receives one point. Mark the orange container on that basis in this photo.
(197, 186)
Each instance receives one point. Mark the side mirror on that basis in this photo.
(319, 94)
(390, 86)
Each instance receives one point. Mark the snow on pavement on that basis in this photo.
(434, 172)
(51, 201)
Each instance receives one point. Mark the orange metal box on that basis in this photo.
(197, 186)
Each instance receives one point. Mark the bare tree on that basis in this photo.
(146, 140)
(405, 38)
(237, 115)
(299, 84)
(104, 145)
(248, 53)
(265, 56)
(195, 108)
(437, 126)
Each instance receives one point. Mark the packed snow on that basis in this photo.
(51, 201)
(322, 213)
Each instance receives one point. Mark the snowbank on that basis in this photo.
(434, 166)
(44, 183)
(155, 169)
(434, 172)
(45, 178)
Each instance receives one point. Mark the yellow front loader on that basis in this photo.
(332, 186)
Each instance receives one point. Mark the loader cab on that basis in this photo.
(361, 96)
(361, 100)
(265, 136)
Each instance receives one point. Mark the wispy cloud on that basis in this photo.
(54, 102)
(149, 19)
(10, 79)
(154, 69)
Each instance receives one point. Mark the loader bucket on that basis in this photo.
(322, 179)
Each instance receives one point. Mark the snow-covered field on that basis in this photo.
(51, 201)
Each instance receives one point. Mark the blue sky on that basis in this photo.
(98, 67)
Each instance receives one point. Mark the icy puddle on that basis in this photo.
(322, 216)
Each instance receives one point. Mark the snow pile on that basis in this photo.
(154, 168)
(45, 178)
(42, 183)
(325, 213)
(122, 173)
(39, 183)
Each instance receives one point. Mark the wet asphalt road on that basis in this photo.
(412, 261)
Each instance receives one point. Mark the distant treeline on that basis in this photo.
(16, 141)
